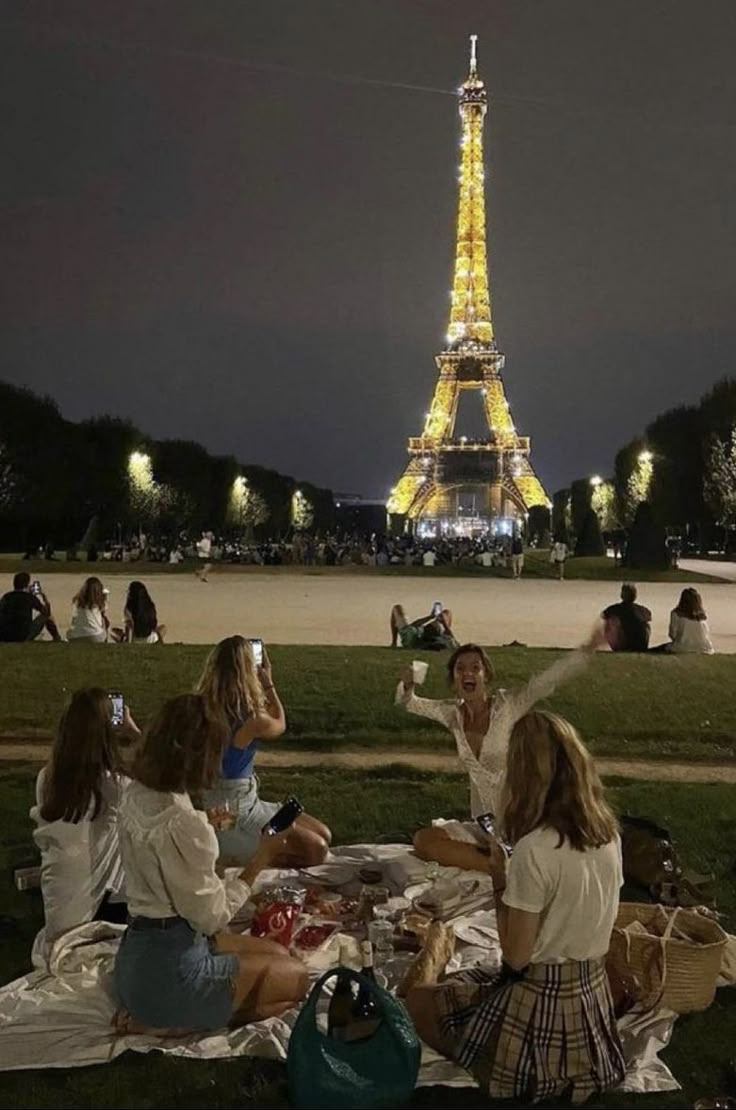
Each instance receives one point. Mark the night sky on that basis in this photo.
(233, 220)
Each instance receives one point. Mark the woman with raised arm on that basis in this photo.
(544, 1027)
(78, 795)
(243, 698)
(177, 969)
(481, 719)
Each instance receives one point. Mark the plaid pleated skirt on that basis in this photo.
(548, 1033)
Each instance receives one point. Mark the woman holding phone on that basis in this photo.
(177, 971)
(242, 697)
(78, 795)
(480, 719)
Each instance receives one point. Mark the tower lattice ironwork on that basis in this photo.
(445, 475)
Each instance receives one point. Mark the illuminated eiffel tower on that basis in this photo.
(462, 485)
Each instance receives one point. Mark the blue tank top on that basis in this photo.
(237, 763)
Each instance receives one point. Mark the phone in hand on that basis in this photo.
(284, 818)
(256, 646)
(117, 702)
(437, 609)
(487, 822)
(35, 587)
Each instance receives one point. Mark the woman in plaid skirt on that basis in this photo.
(544, 1027)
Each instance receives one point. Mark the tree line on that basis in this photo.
(57, 476)
(678, 477)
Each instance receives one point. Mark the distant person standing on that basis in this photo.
(558, 557)
(25, 612)
(628, 625)
(429, 559)
(517, 555)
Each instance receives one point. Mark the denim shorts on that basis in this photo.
(239, 843)
(171, 979)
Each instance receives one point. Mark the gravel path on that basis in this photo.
(38, 751)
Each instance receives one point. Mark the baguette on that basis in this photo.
(439, 946)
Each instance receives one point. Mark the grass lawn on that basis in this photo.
(340, 698)
(536, 565)
(391, 800)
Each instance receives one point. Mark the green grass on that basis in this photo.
(392, 800)
(536, 565)
(341, 698)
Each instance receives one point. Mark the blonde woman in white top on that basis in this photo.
(178, 969)
(481, 719)
(544, 1027)
(689, 632)
(89, 619)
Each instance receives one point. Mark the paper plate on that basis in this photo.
(330, 874)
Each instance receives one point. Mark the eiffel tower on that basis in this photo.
(455, 484)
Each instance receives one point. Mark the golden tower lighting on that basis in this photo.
(445, 474)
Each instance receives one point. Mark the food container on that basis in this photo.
(313, 935)
(277, 910)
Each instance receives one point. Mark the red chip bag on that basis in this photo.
(277, 912)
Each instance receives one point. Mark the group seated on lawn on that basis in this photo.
(166, 832)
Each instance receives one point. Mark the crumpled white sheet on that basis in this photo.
(60, 1017)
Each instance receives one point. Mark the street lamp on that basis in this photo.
(645, 456)
(596, 480)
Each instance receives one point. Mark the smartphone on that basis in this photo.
(35, 586)
(284, 818)
(117, 702)
(256, 646)
(436, 608)
(487, 822)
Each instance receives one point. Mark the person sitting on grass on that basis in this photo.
(481, 720)
(78, 794)
(141, 619)
(628, 625)
(89, 620)
(24, 614)
(177, 969)
(430, 633)
(243, 699)
(544, 1028)
(689, 633)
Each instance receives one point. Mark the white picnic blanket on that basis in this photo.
(60, 1016)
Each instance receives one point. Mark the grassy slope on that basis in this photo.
(537, 565)
(394, 800)
(626, 706)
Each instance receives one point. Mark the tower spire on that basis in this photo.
(471, 326)
(473, 58)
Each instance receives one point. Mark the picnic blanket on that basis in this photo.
(59, 1016)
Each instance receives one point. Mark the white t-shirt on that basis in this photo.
(429, 558)
(689, 636)
(576, 894)
(80, 863)
(87, 624)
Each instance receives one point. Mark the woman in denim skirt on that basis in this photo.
(177, 970)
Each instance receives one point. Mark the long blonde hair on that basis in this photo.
(229, 682)
(552, 782)
(91, 595)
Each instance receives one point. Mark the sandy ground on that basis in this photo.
(354, 609)
(38, 751)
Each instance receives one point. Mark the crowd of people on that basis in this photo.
(25, 614)
(139, 828)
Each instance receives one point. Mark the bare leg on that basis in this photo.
(306, 844)
(434, 844)
(420, 1002)
(398, 621)
(267, 984)
(124, 1025)
(161, 629)
(305, 820)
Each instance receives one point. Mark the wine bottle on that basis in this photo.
(340, 1012)
(366, 1015)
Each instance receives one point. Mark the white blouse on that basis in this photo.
(80, 863)
(689, 636)
(169, 851)
(487, 771)
(87, 624)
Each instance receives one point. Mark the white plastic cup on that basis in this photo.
(419, 671)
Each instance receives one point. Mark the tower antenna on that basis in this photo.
(473, 57)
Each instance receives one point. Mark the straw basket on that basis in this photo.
(675, 969)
